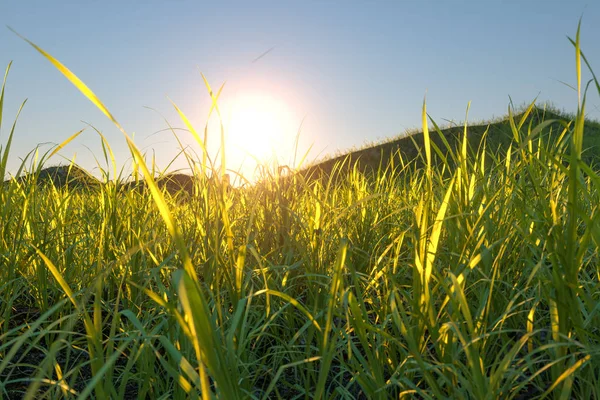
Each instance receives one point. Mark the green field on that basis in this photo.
(458, 263)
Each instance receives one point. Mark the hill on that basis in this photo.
(498, 136)
(70, 176)
(173, 183)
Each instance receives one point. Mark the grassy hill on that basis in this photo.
(498, 136)
(75, 177)
(69, 176)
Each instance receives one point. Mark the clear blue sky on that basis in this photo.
(357, 70)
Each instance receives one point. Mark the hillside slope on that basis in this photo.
(498, 136)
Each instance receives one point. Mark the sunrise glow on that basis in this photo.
(260, 127)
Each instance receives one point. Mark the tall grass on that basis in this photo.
(473, 277)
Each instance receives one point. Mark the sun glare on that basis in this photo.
(260, 128)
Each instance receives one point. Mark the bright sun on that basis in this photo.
(262, 127)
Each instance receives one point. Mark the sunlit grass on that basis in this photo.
(466, 272)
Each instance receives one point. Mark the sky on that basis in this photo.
(342, 73)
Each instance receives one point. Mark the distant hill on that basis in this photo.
(60, 176)
(173, 183)
(499, 136)
(75, 177)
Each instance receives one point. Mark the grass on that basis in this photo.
(465, 269)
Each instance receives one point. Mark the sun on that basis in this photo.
(260, 128)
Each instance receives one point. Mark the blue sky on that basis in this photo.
(356, 72)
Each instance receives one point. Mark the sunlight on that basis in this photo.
(260, 127)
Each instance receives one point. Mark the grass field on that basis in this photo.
(468, 270)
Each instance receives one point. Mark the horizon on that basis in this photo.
(323, 162)
(337, 72)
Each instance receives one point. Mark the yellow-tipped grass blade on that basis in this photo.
(72, 78)
(426, 139)
(436, 230)
(66, 142)
(190, 127)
